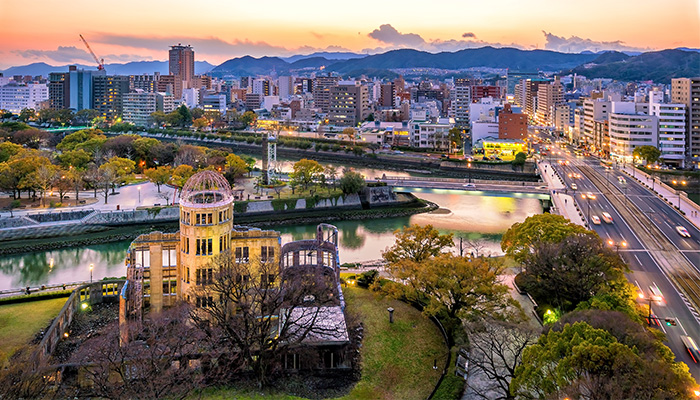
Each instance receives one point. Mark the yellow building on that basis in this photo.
(171, 265)
(505, 149)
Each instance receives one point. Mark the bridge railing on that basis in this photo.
(458, 180)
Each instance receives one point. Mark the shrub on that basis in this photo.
(367, 278)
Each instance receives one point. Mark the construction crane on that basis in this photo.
(100, 62)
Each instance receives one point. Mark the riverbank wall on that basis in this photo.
(376, 202)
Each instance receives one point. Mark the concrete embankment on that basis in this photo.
(101, 227)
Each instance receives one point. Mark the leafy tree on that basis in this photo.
(191, 155)
(248, 118)
(32, 138)
(236, 167)
(519, 160)
(249, 164)
(571, 271)
(518, 241)
(465, 288)
(304, 172)
(185, 115)
(197, 113)
(455, 138)
(351, 182)
(581, 361)
(8, 149)
(27, 114)
(75, 139)
(200, 123)
(159, 175)
(86, 116)
(349, 133)
(331, 174)
(78, 159)
(417, 244)
(181, 174)
(142, 149)
(121, 146)
(650, 154)
(43, 178)
(158, 118)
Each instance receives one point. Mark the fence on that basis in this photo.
(88, 294)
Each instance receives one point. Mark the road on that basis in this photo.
(645, 273)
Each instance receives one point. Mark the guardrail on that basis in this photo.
(88, 294)
(458, 180)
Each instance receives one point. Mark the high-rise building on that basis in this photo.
(349, 103)
(672, 125)
(108, 95)
(322, 91)
(511, 125)
(15, 97)
(515, 77)
(80, 92)
(460, 99)
(138, 106)
(145, 82)
(181, 63)
(532, 87)
(170, 84)
(386, 95)
(262, 87)
(285, 86)
(59, 90)
(687, 91)
(593, 110)
(629, 129)
(479, 92)
(549, 96)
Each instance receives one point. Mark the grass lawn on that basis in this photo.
(20, 322)
(397, 359)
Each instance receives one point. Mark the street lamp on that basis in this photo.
(678, 192)
(91, 267)
(139, 194)
(391, 314)
(588, 203)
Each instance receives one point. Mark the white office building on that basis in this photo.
(433, 134)
(629, 130)
(460, 100)
(14, 97)
(138, 106)
(671, 119)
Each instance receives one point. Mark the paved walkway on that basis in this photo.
(565, 205)
(691, 210)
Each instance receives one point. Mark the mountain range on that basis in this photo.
(659, 66)
(130, 68)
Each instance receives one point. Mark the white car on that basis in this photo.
(469, 185)
(682, 231)
(607, 218)
(655, 293)
(574, 186)
(595, 219)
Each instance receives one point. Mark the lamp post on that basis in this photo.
(588, 204)
(678, 192)
(139, 194)
(391, 314)
(91, 267)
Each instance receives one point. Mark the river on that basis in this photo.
(475, 216)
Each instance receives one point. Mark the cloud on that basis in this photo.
(389, 35)
(63, 54)
(575, 44)
(393, 39)
(72, 54)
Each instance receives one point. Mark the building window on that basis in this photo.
(242, 255)
(209, 219)
(267, 254)
(209, 246)
(188, 275)
(197, 219)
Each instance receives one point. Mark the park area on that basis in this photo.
(20, 323)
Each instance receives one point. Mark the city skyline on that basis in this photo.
(222, 31)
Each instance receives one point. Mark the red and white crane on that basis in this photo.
(100, 62)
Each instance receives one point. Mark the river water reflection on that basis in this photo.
(474, 216)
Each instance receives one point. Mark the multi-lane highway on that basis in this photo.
(630, 236)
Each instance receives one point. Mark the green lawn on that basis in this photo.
(20, 322)
(397, 359)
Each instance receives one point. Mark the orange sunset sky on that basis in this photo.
(130, 30)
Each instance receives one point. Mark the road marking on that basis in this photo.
(681, 325)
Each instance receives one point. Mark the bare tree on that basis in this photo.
(21, 379)
(154, 365)
(264, 313)
(473, 247)
(165, 195)
(496, 350)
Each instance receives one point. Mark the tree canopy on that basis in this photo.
(304, 172)
(417, 243)
(351, 182)
(650, 154)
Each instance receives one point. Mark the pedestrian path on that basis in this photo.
(565, 205)
(673, 196)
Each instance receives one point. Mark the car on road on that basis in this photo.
(655, 293)
(682, 231)
(607, 218)
(595, 219)
(692, 348)
(574, 186)
(590, 195)
(621, 179)
(469, 185)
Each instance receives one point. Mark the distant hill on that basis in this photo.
(514, 59)
(313, 62)
(131, 68)
(328, 55)
(657, 66)
(251, 66)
